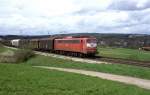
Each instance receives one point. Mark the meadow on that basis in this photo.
(119, 69)
(124, 53)
(20, 79)
(23, 79)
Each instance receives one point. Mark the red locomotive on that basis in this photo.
(77, 46)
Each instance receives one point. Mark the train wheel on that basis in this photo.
(78, 54)
(75, 54)
(82, 55)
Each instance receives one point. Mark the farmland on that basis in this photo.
(124, 53)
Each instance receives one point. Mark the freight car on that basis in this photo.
(46, 44)
(15, 42)
(76, 46)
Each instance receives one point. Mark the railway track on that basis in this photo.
(122, 61)
(116, 61)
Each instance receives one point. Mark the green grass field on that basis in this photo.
(124, 53)
(2, 48)
(25, 80)
(121, 69)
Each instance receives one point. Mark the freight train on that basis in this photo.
(76, 46)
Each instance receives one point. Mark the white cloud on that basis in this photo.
(92, 4)
(59, 16)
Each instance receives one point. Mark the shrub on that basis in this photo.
(23, 55)
(18, 56)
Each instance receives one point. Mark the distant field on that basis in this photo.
(125, 53)
(25, 80)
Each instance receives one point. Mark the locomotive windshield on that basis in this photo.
(91, 43)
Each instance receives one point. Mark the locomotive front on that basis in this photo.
(91, 46)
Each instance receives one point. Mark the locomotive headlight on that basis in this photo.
(91, 45)
(88, 45)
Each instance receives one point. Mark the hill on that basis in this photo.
(115, 40)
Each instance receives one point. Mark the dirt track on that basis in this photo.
(143, 83)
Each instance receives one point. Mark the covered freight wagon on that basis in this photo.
(24, 43)
(46, 44)
(15, 42)
(33, 44)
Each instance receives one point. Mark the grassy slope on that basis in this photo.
(25, 80)
(123, 53)
(2, 48)
(134, 71)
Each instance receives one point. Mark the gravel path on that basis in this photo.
(143, 83)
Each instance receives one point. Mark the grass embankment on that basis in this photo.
(24, 80)
(124, 53)
(2, 48)
(128, 70)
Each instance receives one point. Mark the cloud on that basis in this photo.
(130, 5)
(74, 16)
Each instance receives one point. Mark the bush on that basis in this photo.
(23, 55)
(17, 57)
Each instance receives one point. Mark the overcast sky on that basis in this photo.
(36, 17)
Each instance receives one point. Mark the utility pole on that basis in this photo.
(48, 33)
(21, 32)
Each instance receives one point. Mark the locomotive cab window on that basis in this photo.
(69, 41)
(75, 41)
(91, 43)
(59, 41)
